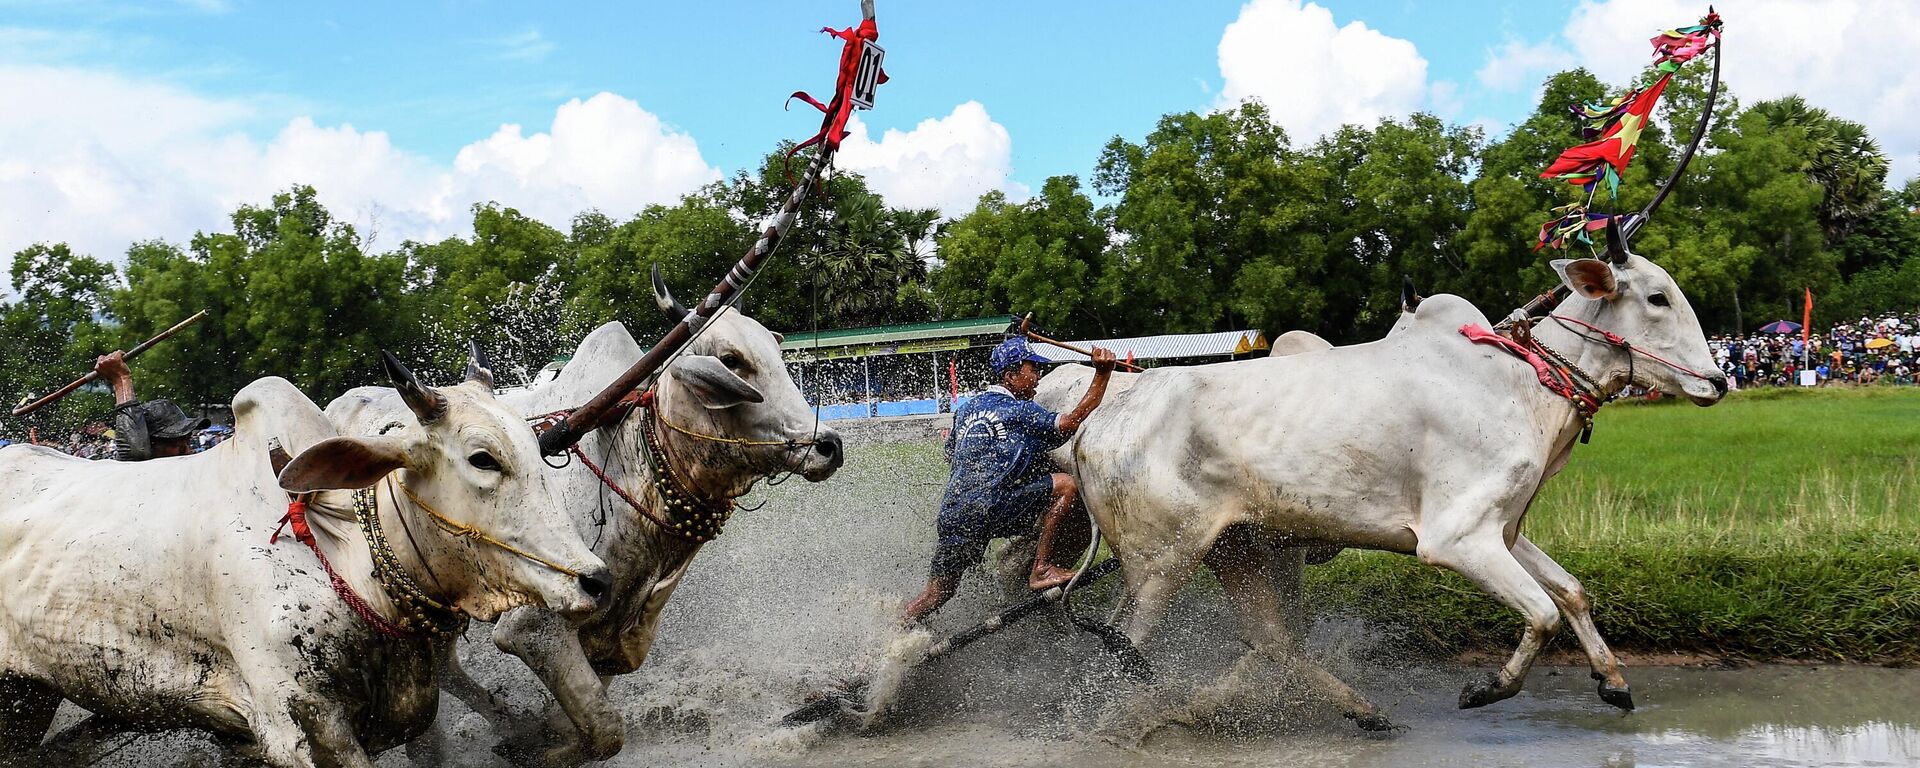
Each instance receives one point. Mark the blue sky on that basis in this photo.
(381, 100)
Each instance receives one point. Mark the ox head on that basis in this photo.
(732, 381)
(1637, 300)
(473, 460)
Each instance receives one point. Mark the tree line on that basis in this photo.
(1211, 221)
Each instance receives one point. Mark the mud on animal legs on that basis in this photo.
(1485, 560)
(1572, 600)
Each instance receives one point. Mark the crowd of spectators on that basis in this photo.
(1867, 351)
(96, 442)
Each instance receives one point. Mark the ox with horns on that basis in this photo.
(1424, 443)
(724, 415)
(157, 595)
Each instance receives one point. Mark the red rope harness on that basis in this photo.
(661, 522)
(297, 517)
(1556, 379)
(643, 400)
(1631, 349)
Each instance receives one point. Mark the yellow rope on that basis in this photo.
(468, 532)
(728, 440)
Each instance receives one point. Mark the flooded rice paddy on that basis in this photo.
(798, 593)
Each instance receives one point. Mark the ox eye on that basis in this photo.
(1658, 300)
(732, 361)
(484, 461)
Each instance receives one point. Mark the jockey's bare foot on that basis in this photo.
(1048, 576)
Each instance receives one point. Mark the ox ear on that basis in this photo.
(343, 463)
(1591, 278)
(478, 367)
(426, 404)
(711, 382)
(778, 337)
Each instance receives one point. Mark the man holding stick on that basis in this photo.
(144, 430)
(1001, 479)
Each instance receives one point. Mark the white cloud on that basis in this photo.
(101, 160)
(606, 152)
(1851, 57)
(527, 45)
(1517, 64)
(1313, 74)
(944, 163)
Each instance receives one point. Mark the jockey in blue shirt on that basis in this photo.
(1002, 480)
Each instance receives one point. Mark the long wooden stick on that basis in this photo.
(588, 417)
(1069, 347)
(92, 375)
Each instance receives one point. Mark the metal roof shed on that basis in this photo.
(1166, 347)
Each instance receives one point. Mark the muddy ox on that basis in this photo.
(729, 385)
(1423, 443)
(153, 595)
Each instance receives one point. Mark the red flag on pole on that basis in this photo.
(1806, 319)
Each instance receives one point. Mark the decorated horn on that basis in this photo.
(478, 368)
(1699, 135)
(664, 298)
(426, 404)
(859, 74)
(1616, 242)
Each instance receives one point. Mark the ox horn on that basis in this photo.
(1616, 242)
(426, 404)
(478, 367)
(663, 297)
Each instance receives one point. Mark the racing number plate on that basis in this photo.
(867, 77)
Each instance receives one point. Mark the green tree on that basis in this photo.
(1202, 199)
(503, 288)
(694, 243)
(1043, 256)
(48, 334)
(289, 293)
(1848, 163)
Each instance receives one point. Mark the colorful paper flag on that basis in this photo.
(1607, 157)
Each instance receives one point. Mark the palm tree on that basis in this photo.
(1845, 161)
(874, 265)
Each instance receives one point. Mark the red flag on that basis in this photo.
(1585, 163)
(1806, 319)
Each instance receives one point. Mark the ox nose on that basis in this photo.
(597, 583)
(1719, 384)
(830, 448)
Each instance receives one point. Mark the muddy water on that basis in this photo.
(803, 591)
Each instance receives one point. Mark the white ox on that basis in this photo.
(149, 594)
(730, 382)
(1422, 443)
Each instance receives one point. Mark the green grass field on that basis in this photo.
(1780, 524)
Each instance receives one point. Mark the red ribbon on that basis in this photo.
(834, 127)
(297, 517)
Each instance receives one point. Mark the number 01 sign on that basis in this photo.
(867, 78)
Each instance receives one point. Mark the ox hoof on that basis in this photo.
(1369, 721)
(1482, 693)
(1621, 697)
